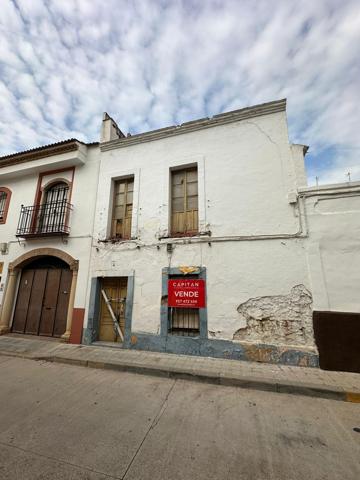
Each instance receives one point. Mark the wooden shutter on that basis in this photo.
(184, 201)
(122, 209)
(185, 321)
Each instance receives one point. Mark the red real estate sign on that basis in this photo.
(189, 293)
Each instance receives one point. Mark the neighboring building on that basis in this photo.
(214, 200)
(333, 257)
(47, 202)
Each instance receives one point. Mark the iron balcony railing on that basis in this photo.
(44, 220)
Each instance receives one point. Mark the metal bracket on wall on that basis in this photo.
(21, 242)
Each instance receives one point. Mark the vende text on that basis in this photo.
(186, 293)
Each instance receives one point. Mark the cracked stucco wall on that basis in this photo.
(278, 319)
(245, 173)
(235, 271)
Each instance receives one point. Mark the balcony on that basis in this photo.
(48, 219)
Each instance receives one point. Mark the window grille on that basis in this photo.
(50, 217)
(184, 321)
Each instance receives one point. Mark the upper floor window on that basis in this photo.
(53, 211)
(5, 195)
(184, 202)
(122, 208)
(56, 193)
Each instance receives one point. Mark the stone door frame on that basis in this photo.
(14, 272)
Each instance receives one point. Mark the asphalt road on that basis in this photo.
(66, 422)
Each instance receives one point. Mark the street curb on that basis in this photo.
(263, 384)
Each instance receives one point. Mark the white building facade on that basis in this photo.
(47, 204)
(215, 200)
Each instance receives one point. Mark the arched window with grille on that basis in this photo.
(5, 195)
(53, 210)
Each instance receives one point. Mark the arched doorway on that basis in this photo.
(43, 298)
(45, 274)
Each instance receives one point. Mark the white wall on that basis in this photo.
(246, 170)
(236, 271)
(333, 247)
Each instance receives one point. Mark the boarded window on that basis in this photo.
(184, 202)
(122, 208)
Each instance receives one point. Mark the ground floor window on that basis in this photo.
(184, 321)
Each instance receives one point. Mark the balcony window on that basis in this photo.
(51, 217)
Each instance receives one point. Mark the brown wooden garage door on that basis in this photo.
(42, 301)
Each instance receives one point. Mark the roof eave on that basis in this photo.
(40, 152)
(203, 123)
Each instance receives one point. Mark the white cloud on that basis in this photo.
(151, 63)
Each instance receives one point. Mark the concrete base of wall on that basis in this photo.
(277, 354)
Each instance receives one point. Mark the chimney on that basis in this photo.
(109, 129)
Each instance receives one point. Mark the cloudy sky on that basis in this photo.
(153, 63)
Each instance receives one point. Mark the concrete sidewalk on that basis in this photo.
(275, 378)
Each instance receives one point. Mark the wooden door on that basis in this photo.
(42, 302)
(62, 303)
(49, 302)
(22, 302)
(35, 302)
(116, 290)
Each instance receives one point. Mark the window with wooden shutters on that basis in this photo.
(122, 208)
(184, 202)
(184, 322)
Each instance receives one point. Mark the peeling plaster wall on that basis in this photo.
(278, 319)
(235, 272)
(246, 170)
(333, 247)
